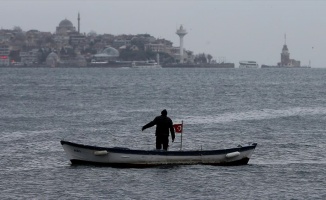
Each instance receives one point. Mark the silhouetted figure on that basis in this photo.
(164, 125)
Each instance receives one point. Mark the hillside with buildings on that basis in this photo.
(67, 46)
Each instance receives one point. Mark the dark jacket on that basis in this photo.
(164, 125)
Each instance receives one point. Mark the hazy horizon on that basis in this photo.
(234, 30)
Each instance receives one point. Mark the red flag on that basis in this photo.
(178, 128)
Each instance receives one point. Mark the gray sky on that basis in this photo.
(231, 29)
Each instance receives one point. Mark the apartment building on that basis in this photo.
(4, 55)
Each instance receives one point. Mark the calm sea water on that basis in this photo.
(284, 111)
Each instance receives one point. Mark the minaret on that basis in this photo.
(78, 23)
(181, 33)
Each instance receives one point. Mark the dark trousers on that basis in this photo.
(162, 140)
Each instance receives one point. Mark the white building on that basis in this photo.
(29, 57)
(4, 55)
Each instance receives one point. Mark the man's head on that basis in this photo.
(164, 112)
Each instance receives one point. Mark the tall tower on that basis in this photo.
(78, 23)
(181, 33)
(285, 55)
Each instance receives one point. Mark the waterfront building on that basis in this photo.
(188, 56)
(32, 38)
(4, 55)
(77, 40)
(80, 61)
(29, 57)
(156, 47)
(121, 42)
(6, 35)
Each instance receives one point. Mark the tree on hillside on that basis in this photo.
(43, 53)
(209, 57)
(17, 29)
(140, 55)
(200, 58)
(139, 42)
(166, 58)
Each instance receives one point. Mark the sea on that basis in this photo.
(282, 110)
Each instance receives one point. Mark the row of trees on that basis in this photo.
(203, 58)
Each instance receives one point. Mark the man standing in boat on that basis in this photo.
(164, 125)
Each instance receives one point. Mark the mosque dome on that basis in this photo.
(52, 59)
(111, 51)
(65, 26)
(108, 52)
(65, 23)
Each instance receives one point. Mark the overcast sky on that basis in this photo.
(233, 30)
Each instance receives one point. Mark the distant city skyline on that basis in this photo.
(232, 30)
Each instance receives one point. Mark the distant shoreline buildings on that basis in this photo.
(68, 47)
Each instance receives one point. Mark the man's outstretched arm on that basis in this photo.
(150, 124)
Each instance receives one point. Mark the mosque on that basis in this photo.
(66, 34)
(65, 27)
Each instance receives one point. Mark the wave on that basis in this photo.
(255, 115)
(17, 135)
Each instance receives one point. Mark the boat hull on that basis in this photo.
(123, 157)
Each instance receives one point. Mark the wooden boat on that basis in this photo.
(124, 157)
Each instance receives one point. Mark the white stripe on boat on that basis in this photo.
(100, 153)
(233, 154)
